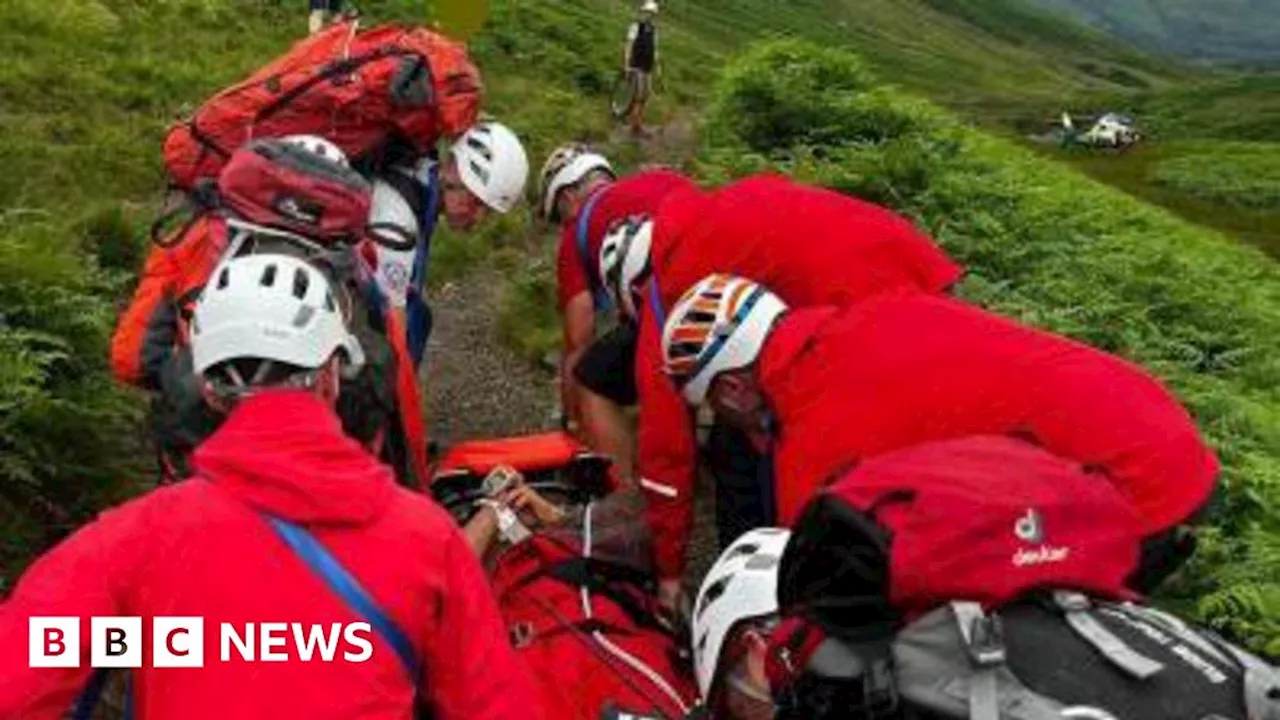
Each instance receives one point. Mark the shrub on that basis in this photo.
(61, 415)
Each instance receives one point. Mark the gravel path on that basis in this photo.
(475, 386)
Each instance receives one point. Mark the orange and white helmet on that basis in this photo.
(624, 260)
(719, 324)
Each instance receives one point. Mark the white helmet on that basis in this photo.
(492, 164)
(566, 166)
(624, 260)
(320, 146)
(649, 6)
(719, 324)
(741, 585)
(269, 307)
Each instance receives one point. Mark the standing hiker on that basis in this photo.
(640, 62)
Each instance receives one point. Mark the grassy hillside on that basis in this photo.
(1224, 30)
(90, 85)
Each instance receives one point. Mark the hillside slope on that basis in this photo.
(1224, 30)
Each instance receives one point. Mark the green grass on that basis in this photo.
(1235, 175)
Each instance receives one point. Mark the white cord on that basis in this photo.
(622, 655)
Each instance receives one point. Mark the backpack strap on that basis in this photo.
(418, 314)
(345, 586)
(1261, 680)
(598, 296)
(983, 637)
(1076, 608)
(655, 303)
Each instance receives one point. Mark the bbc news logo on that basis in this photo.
(117, 642)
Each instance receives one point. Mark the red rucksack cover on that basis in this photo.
(280, 185)
(579, 677)
(354, 88)
(984, 519)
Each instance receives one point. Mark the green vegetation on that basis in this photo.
(1238, 175)
(1233, 30)
(90, 85)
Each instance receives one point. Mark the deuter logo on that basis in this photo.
(116, 642)
(1030, 528)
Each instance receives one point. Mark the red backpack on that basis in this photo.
(986, 519)
(357, 89)
(278, 184)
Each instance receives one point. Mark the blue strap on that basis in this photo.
(341, 582)
(89, 697)
(598, 296)
(417, 314)
(92, 694)
(655, 304)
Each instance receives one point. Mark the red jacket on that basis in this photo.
(198, 548)
(638, 193)
(811, 247)
(846, 384)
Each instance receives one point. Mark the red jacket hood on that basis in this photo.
(285, 452)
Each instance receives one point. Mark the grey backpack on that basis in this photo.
(1045, 657)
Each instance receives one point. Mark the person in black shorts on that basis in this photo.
(607, 366)
(640, 61)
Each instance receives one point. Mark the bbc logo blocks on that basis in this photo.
(115, 642)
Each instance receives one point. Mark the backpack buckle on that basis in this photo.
(986, 641)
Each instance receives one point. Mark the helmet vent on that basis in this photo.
(329, 304)
(269, 276)
(713, 593)
(746, 549)
(224, 277)
(762, 562)
(300, 283)
(303, 316)
(480, 172)
(482, 149)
